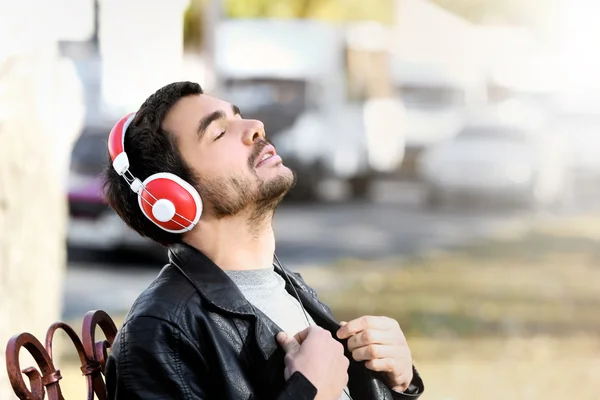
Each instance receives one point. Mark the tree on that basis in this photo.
(40, 115)
(331, 10)
(328, 10)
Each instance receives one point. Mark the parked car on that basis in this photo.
(92, 223)
(581, 130)
(495, 159)
(354, 143)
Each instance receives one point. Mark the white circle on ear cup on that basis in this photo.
(190, 221)
(163, 210)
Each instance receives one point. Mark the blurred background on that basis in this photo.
(447, 154)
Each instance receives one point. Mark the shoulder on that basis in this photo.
(152, 355)
(299, 281)
(170, 301)
(163, 316)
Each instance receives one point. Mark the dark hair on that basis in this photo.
(150, 150)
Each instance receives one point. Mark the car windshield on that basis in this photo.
(431, 96)
(275, 102)
(90, 153)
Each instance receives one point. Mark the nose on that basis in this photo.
(253, 131)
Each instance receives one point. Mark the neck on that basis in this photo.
(235, 243)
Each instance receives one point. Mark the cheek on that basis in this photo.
(231, 157)
(222, 164)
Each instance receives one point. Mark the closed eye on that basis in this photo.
(220, 136)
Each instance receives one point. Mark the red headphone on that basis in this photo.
(164, 198)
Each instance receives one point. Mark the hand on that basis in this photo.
(319, 357)
(381, 343)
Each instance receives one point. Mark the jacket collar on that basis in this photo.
(213, 283)
(215, 287)
(210, 281)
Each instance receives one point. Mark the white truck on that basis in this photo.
(292, 75)
(436, 71)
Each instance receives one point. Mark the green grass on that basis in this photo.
(541, 283)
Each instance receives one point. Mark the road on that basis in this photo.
(395, 224)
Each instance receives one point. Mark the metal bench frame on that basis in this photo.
(92, 355)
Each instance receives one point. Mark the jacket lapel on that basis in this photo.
(213, 285)
(308, 298)
(363, 383)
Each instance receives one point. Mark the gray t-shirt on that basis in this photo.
(265, 290)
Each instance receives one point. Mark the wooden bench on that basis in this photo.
(92, 355)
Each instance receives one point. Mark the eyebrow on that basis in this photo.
(212, 117)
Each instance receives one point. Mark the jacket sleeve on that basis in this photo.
(155, 360)
(298, 387)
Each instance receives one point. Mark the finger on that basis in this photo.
(372, 336)
(287, 342)
(391, 366)
(382, 364)
(375, 351)
(281, 337)
(366, 322)
(303, 334)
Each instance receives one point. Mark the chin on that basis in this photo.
(274, 187)
(283, 170)
(288, 175)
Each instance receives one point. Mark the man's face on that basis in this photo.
(236, 167)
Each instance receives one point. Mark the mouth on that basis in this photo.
(267, 154)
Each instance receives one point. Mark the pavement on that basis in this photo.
(394, 224)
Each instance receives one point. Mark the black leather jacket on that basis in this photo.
(193, 335)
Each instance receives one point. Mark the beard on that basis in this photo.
(230, 196)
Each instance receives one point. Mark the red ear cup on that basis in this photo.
(165, 199)
(116, 138)
(166, 194)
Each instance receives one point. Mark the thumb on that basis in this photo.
(288, 342)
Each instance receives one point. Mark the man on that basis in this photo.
(221, 321)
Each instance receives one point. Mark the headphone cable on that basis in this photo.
(280, 265)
